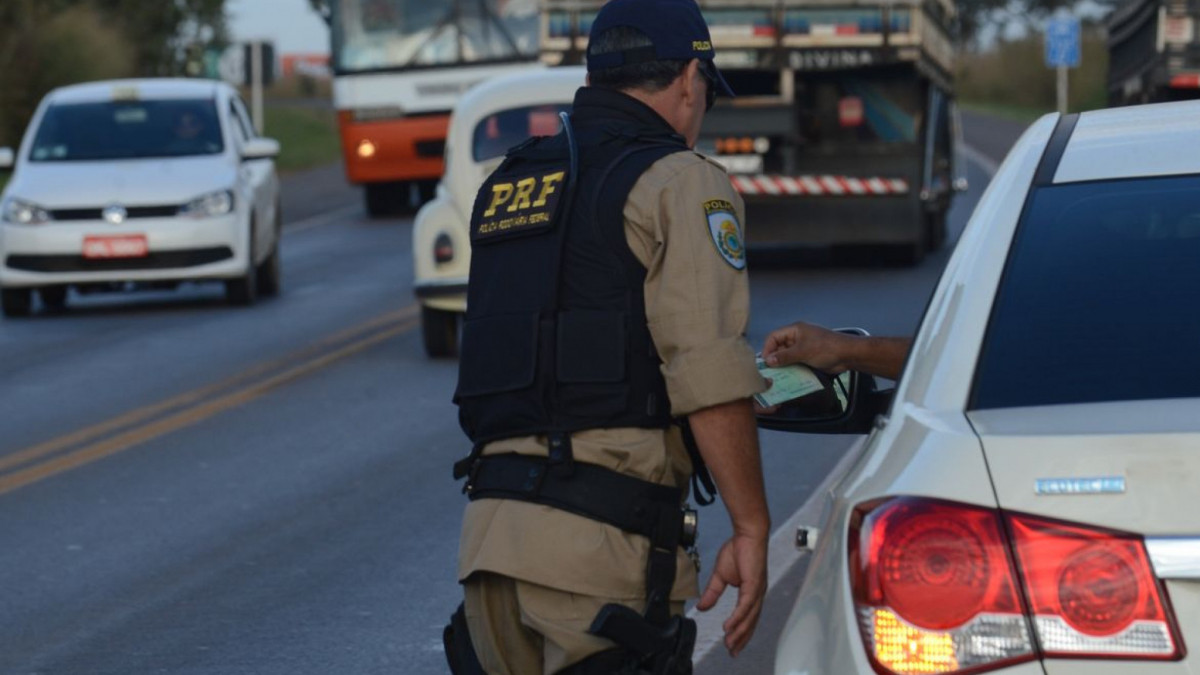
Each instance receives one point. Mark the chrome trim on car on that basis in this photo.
(1175, 557)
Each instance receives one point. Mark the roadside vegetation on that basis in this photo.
(50, 43)
(1010, 79)
(307, 134)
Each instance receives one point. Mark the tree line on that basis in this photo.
(50, 43)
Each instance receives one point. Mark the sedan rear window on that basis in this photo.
(498, 132)
(127, 130)
(1100, 299)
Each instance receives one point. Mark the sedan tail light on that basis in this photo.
(1092, 592)
(937, 590)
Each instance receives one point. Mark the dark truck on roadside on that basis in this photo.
(1153, 52)
(844, 130)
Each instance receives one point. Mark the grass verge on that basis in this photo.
(308, 137)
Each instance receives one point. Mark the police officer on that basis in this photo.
(608, 302)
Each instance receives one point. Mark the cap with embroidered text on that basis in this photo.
(676, 29)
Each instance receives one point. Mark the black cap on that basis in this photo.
(675, 27)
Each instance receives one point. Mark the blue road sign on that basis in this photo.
(1062, 42)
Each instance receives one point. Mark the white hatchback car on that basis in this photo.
(1029, 502)
(491, 118)
(144, 182)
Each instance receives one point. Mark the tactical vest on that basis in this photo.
(555, 336)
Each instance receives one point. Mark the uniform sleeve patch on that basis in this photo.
(726, 232)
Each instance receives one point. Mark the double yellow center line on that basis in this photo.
(140, 425)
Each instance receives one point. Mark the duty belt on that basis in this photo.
(641, 507)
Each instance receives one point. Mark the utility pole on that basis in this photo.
(256, 85)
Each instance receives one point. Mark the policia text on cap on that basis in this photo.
(605, 324)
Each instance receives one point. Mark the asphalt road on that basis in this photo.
(187, 487)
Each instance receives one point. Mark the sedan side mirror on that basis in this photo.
(7, 159)
(849, 406)
(260, 148)
(845, 404)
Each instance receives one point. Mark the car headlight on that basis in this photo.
(207, 206)
(22, 212)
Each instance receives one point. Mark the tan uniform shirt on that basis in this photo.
(678, 224)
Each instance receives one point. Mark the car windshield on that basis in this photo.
(127, 130)
(498, 132)
(1100, 299)
(396, 34)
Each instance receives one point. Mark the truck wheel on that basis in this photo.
(426, 191)
(908, 254)
(16, 301)
(936, 238)
(440, 330)
(53, 297)
(386, 199)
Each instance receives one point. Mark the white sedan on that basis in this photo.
(1028, 503)
(139, 183)
(491, 118)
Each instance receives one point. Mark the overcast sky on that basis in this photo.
(290, 24)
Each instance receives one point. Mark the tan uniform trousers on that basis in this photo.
(520, 628)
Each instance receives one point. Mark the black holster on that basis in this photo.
(646, 647)
(460, 652)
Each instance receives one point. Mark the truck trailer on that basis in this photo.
(844, 130)
(1153, 52)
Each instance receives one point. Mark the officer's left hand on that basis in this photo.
(741, 562)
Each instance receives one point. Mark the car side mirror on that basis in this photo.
(260, 148)
(7, 159)
(845, 404)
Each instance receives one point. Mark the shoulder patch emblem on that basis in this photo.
(726, 232)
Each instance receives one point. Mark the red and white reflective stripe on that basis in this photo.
(817, 185)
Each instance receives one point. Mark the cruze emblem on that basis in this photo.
(114, 213)
(1099, 485)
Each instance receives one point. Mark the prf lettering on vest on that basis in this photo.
(523, 189)
(520, 204)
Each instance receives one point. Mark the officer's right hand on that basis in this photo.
(741, 562)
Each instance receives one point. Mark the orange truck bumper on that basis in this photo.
(393, 150)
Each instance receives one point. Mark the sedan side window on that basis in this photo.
(1098, 299)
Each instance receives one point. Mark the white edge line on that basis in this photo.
(322, 219)
(782, 555)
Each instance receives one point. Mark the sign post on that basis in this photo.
(1062, 52)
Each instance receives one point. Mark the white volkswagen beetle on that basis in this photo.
(488, 120)
(149, 182)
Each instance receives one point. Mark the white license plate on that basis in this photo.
(741, 163)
